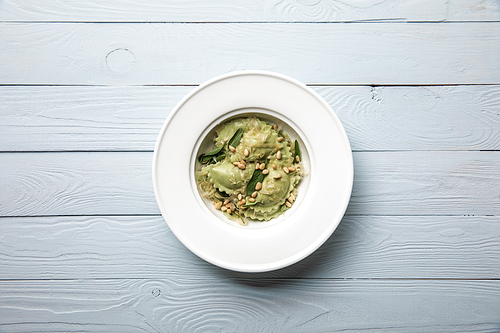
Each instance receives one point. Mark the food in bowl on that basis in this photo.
(253, 172)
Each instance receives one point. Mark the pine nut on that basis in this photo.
(290, 199)
(262, 166)
(278, 155)
(254, 194)
(218, 205)
(297, 158)
(274, 166)
(275, 127)
(291, 169)
(226, 202)
(242, 202)
(233, 208)
(258, 186)
(231, 148)
(277, 176)
(289, 205)
(257, 165)
(241, 166)
(292, 196)
(251, 199)
(236, 163)
(223, 208)
(265, 172)
(245, 152)
(280, 139)
(239, 197)
(286, 170)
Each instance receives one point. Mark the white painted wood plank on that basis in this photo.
(368, 53)
(421, 183)
(362, 247)
(77, 183)
(418, 118)
(250, 11)
(385, 183)
(248, 305)
(53, 118)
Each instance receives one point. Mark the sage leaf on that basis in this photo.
(297, 150)
(204, 158)
(220, 157)
(257, 177)
(222, 193)
(235, 140)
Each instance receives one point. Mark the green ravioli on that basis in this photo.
(243, 144)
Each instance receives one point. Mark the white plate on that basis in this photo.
(323, 193)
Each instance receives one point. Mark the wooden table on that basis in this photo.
(86, 86)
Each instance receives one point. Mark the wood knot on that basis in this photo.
(156, 292)
(120, 60)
